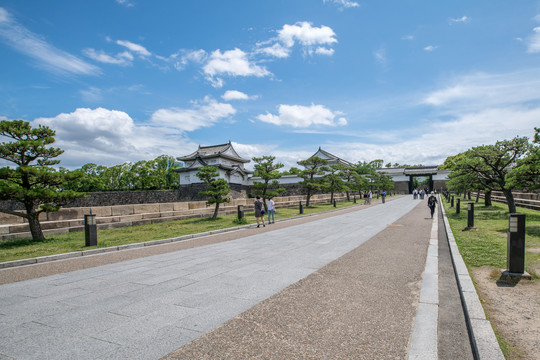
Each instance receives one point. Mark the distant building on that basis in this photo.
(332, 159)
(230, 165)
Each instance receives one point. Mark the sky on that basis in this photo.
(409, 82)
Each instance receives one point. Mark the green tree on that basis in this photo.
(312, 167)
(292, 171)
(489, 165)
(268, 171)
(216, 189)
(34, 182)
(165, 166)
(333, 180)
(526, 174)
(89, 180)
(383, 181)
(350, 176)
(360, 183)
(145, 176)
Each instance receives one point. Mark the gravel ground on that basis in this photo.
(360, 306)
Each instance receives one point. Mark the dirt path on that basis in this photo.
(513, 310)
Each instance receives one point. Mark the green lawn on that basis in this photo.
(57, 244)
(486, 245)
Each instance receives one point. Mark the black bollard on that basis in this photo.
(470, 215)
(452, 201)
(516, 244)
(301, 208)
(354, 199)
(334, 202)
(240, 211)
(458, 201)
(90, 230)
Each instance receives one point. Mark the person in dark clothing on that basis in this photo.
(259, 211)
(431, 203)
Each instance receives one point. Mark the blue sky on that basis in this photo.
(403, 81)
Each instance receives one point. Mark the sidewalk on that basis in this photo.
(345, 286)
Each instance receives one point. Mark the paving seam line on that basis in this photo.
(483, 339)
(56, 257)
(423, 341)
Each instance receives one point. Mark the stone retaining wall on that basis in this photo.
(72, 219)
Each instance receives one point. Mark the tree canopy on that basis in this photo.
(268, 171)
(314, 168)
(488, 167)
(216, 188)
(33, 182)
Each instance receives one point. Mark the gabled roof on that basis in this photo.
(421, 170)
(332, 159)
(205, 152)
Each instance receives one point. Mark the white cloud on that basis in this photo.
(430, 48)
(232, 63)
(481, 90)
(48, 57)
(276, 50)
(124, 58)
(324, 51)
(407, 37)
(307, 35)
(183, 58)
(110, 137)
(343, 3)
(463, 19)
(139, 49)
(204, 114)
(313, 40)
(91, 95)
(440, 139)
(125, 3)
(236, 95)
(380, 55)
(533, 42)
(299, 116)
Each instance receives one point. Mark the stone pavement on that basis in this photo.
(346, 286)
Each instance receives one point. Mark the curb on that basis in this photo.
(483, 339)
(56, 257)
(423, 343)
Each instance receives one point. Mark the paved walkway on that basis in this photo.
(346, 286)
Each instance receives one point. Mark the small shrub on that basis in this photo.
(241, 221)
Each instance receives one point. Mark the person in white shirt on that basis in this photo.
(271, 210)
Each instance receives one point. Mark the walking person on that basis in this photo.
(259, 211)
(370, 196)
(271, 210)
(431, 203)
(383, 195)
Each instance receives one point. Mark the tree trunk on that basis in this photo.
(331, 197)
(308, 197)
(477, 196)
(35, 226)
(348, 196)
(214, 217)
(510, 200)
(487, 199)
(469, 195)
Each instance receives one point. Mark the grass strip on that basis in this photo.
(486, 243)
(17, 249)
